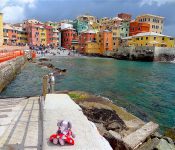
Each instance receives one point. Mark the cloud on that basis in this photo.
(14, 10)
(157, 2)
(13, 14)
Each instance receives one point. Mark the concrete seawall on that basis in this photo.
(9, 70)
(146, 53)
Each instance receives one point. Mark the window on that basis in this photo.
(141, 38)
(114, 43)
(171, 39)
(163, 38)
(139, 28)
(146, 38)
(154, 38)
(148, 19)
(137, 38)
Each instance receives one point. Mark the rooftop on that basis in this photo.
(149, 34)
(151, 16)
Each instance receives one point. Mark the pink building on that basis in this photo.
(87, 36)
(33, 36)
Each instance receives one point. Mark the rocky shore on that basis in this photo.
(112, 121)
(45, 63)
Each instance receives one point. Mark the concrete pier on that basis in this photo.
(20, 124)
(62, 107)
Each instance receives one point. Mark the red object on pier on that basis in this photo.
(54, 138)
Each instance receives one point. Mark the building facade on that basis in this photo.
(67, 36)
(156, 22)
(150, 39)
(125, 16)
(124, 28)
(136, 27)
(104, 39)
(115, 38)
(92, 48)
(84, 37)
(80, 26)
(87, 18)
(1, 30)
(43, 37)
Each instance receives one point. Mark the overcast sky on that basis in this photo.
(55, 10)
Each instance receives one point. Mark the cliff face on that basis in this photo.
(9, 70)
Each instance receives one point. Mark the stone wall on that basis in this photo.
(164, 54)
(146, 53)
(9, 70)
(136, 53)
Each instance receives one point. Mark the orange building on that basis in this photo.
(136, 27)
(104, 38)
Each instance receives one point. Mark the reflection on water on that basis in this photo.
(147, 89)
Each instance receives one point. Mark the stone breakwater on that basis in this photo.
(9, 70)
(144, 53)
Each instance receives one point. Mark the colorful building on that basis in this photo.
(21, 36)
(33, 35)
(111, 22)
(124, 28)
(67, 35)
(80, 26)
(92, 48)
(87, 18)
(43, 37)
(125, 16)
(49, 35)
(136, 27)
(115, 38)
(54, 26)
(156, 22)
(150, 39)
(87, 36)
(1, 30)
(10, 35)
(104, 39)
(59, 39)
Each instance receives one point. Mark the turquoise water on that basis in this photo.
(146, 89)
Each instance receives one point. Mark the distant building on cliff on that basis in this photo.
(156, 22)
(1, 29)
(87, 18)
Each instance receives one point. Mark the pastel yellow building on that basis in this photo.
(156, 22)
(115, 38)
(42, 33)
(150, 39)
(21, 36)
(1, 29)
(92, 48)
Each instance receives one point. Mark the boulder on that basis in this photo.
(164, 145)
(116, 143)
(150, 144)
(109, 118)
